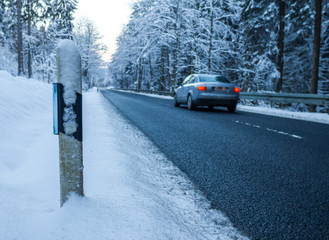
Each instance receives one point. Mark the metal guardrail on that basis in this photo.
(312, 99)
(147, 91)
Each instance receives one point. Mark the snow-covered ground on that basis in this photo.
(306, 116)
(132, 190)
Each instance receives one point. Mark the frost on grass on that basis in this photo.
(69, 73)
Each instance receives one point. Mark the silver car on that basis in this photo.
(207, 90)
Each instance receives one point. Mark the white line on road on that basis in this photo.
(270, 130)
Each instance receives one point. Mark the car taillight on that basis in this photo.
(202, 88)
(236, 89)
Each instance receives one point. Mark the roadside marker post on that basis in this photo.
(67, 97)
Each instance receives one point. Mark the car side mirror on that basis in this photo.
(179, 82)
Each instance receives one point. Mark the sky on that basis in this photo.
(109, 16)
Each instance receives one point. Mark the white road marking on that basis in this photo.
(270, 130)
(296, 136)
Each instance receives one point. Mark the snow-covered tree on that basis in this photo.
(2, 13)
(167, 40)
(8, 35)
(324, 52)
(61, 12)
(33, 42)
(298, 46)
(258, 45)
(32, 12)
(88, 39)
(221, 37)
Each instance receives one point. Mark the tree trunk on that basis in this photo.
(176, 49)
(168, 69)
(194, 60)
(162, 80)
(151, 69)
(174, 71)
(29, 34)
(316, 49)
(136, 75)
(211, 35)
(19, 38)
(282, 7)
(140, 74)
(124, 81)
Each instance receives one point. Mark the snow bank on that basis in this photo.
(24, 127)
(306, 116)
(132, 191)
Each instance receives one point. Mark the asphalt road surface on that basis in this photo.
(269, 175)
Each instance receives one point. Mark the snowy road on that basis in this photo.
(269, 175)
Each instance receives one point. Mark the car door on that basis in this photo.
(189, 85)
(182, 91)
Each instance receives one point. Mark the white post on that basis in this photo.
(70, 120)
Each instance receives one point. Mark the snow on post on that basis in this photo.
(70, 127)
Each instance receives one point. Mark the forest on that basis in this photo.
(30, 31)
(262, 45)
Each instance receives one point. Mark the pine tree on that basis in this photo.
(33, 11)
(2, 13)
(258, 38)
(316, 46)
(282, 14)
(8, 36)
(298, 46)
(62, 15)
(324, 52)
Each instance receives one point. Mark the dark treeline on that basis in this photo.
(29, 34)
(262, 45)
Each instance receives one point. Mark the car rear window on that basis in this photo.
(217, 78)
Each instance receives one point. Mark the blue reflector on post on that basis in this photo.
(55, 109)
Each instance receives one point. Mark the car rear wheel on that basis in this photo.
(190, 105)
(176, 104)
(231, 108)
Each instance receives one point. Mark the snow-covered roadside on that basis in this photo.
(306, 116)
(132, 190)
(312, 117)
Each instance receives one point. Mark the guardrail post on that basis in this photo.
(69, 119)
